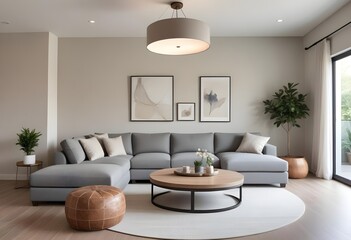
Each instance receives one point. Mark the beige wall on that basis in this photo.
(23, 95)
(341, 40)
(93, 93)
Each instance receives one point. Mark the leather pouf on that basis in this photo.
(95, 207)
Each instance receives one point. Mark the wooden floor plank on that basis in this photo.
(327, 216)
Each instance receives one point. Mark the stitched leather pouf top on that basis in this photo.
(95, 207)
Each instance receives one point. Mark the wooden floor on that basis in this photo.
(327, 216)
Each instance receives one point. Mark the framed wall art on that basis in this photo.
(151, 98)
(185, 111)
(215, 99)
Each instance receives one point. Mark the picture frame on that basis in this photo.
(215, 99)
(186, 111)
(151, 98)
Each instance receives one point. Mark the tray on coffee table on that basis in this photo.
(192, 173)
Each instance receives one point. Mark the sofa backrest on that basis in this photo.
(183, 142)
(228, 142)
(127, 141)
(151, 142)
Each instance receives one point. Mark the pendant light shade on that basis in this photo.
(178, 36)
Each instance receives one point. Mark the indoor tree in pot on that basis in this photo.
(286, 107)
(28, 140)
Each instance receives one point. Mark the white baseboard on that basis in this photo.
(13, 177)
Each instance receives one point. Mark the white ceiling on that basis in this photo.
(130, 18)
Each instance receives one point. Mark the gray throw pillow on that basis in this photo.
(73, 151)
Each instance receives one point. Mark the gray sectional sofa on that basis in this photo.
(148, 152)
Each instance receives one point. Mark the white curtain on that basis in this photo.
(322, 139)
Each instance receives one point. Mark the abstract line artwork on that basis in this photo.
(215, 99)
(151, 98)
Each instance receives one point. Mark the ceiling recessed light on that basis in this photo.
(280, 20)
(92, 21)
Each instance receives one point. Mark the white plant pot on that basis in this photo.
(29, 159)
(209, 170)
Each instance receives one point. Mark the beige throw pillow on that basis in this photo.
(92, 148)
(252, 143)
(114, 146)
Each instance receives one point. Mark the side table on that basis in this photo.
(19, 164)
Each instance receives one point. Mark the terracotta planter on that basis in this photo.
(298, 167)
(348, 154)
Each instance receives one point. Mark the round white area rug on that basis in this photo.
(262, 209)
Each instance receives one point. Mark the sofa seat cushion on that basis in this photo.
(121, 160)
(188, 158)
(250, 162)
(77, 175)
(151, 161)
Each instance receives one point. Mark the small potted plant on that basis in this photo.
(346, 144)
(198, 166)
(28, 140)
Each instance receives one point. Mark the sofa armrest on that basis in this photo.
(270, 149)
(60, 158)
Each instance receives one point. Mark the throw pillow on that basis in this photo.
(114, 146)
(99, 137)
(73, 151)
(252, 143)
(92, 148)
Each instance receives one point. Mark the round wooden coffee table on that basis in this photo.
(224, 180)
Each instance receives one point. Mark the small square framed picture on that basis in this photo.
(185, 111)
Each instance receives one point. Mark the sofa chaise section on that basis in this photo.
(263, 168)
(53, 183)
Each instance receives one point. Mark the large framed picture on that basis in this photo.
(185, 111)
(215, 99)
(151, 98)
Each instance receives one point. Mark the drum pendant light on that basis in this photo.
(178, 36)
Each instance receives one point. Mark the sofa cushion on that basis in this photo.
(151, 161)
(127, 141)
(150, 143)
(251, 162)
(100, 137)
(227, 142)
(120, 160)
(77, 175)
(73, 150)
(188, 158)
(114, 146)
(181, 142)
(252, 143)
(92, 148)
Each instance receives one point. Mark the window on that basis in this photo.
(342, 117)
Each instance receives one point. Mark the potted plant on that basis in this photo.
(285, 108)
(198, 166)
(28, 140)
(346, 144)
(205, 157)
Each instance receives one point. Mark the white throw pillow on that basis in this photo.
(92, 148)
(114, 146)
(252, 143)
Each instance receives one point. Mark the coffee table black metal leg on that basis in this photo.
(192, 201)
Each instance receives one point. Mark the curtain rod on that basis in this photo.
(337, 30)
